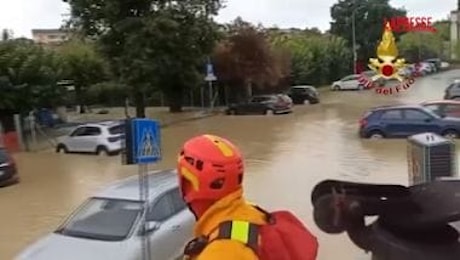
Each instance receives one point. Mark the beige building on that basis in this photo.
(49, 36)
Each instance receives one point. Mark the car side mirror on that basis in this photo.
(150, 227)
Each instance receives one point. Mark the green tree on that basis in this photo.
(6, 35)
(369, 19)
(83, 66)
(151, 44)
(415, 46)
(315, 58)
(28, 76)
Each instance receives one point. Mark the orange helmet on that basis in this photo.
(209, 167)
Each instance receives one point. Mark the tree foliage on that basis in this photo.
(315, 58)
(151, 44)
(416, 46)
(28, 76)
(83, 66)
(369, 18)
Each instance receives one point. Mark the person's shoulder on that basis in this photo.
(226, 249)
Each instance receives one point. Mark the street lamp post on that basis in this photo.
(353, 30)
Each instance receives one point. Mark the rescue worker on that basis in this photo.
(211, 171)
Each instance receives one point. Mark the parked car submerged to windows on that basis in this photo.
(108, 225)
(8, 170)
(101, 138)
(404, 121)
(262, 105)
(436, 62)
(350, 82)
(444, 108)
(300, 94)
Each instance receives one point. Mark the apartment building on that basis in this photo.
(49, 36)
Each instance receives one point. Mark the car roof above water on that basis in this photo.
(389, 107)
(128, 189)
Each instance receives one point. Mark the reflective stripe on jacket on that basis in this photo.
(234, 211)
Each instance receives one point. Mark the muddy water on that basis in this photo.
(286, 156)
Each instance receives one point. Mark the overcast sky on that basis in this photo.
(23, 15)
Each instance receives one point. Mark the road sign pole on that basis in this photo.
(210, 95)
(143, 195)
(142, 146)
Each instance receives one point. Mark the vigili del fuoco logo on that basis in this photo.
(387, 66)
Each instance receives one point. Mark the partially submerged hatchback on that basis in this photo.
(300, 94)
(406, 120)
(262, 105)
(103, 138)
(109, 224)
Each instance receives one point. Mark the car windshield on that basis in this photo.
(103, 219)
(298, 90)
(116, 130)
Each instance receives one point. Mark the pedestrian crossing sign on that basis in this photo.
(146, 145)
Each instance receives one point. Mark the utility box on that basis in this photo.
(430, 157)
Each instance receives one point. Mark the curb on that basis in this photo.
(189, 119)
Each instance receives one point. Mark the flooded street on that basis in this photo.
(286, 156)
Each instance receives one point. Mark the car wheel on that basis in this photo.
(450, 134)
(313, 101)
(336, 88)
(269, 112)
(102, 151)
(376, 135)
(61, 148)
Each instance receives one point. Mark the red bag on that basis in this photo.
(286, 238)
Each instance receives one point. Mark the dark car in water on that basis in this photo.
(8, 171)
(300, 94)
(262, 105)
(406, 120)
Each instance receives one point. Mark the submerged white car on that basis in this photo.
(108, 225)
(100, 138)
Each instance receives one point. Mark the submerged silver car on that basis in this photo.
(108, 225)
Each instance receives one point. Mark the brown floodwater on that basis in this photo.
(285, 157)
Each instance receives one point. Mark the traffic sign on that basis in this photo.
(210, 73)
(146, 141)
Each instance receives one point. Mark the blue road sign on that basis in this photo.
(209, 69)
(146, 141)
(210, 73)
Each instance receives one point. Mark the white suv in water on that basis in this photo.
(108, 225)
(100, 138)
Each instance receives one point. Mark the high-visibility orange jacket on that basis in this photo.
(231, 207)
